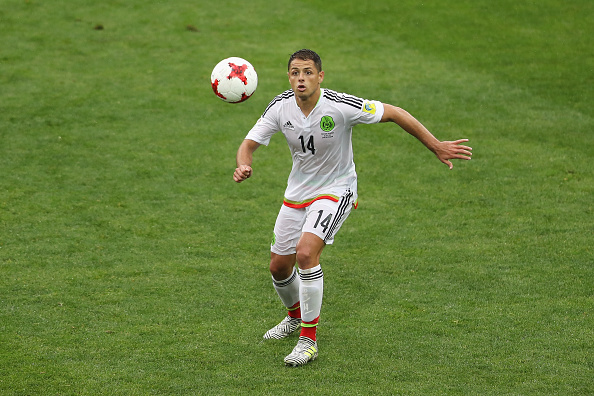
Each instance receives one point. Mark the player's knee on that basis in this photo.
(281, 267)
(305, 257)
(276, 271)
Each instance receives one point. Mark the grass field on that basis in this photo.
(131, 264)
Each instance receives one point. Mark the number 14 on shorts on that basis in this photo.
(323, 223)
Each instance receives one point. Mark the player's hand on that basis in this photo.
(242, 173)
(453, 150)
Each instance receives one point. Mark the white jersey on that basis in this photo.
(320, 144)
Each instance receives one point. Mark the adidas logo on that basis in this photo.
(288, 125)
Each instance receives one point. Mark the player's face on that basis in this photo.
(305, 79)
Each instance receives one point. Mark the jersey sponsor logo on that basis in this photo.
(327, 124)
(369, 107)
(289, 126)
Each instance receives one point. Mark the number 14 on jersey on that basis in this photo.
(309, 145)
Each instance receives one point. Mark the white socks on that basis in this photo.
(288, 289)
(311, 292)
(307, 288)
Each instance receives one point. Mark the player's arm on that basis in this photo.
(244, 160)
(444, 150)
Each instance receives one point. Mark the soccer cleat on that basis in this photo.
(283, 329)
(305, 351)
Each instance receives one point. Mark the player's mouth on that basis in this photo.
(301, 87)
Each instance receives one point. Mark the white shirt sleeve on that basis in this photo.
(371, 112)
(264, 128)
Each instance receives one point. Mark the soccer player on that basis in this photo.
(322, 186)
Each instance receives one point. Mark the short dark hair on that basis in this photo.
(306, 54)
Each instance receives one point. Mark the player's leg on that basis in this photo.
(282, 268)
(324, 219)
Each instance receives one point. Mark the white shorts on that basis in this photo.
(322, 218)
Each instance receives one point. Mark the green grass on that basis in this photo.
(131, 264)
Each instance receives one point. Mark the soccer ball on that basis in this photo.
(234, 80)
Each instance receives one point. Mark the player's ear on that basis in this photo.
(321, 76)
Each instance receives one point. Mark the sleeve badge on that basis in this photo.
(369, 107)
